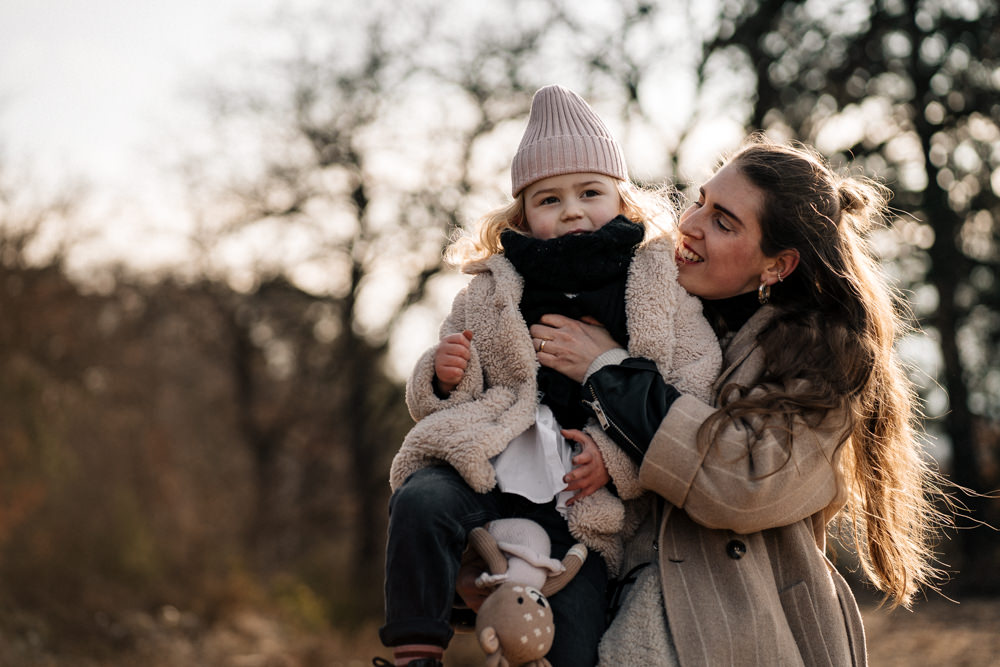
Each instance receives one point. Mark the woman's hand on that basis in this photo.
(589, 472)
(570, 346)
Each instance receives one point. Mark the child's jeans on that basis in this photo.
(430, 516)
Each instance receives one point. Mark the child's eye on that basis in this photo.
(549, 200)
(591, 193)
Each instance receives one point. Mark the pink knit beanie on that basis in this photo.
(564, 136)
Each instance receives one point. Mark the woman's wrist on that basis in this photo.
(611, 357)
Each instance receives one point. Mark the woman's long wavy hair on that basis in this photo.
(652, 208)
(837, 321)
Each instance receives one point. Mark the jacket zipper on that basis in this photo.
(604, 421)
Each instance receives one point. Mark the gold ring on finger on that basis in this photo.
(542, 346)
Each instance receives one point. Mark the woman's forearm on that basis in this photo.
(750, 476)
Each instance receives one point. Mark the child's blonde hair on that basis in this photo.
(653, 208)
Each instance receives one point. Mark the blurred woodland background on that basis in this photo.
(194, 459)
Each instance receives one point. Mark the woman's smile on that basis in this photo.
(685, 254)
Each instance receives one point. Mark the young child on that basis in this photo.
(495, 432)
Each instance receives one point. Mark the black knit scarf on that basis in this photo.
(575, 275)
(575, 262)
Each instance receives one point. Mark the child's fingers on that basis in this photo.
(577, 435)
(454, 361)
(463, 339)
(450, 377)
(588, 474)
(581, 492)
(580, 477)
(450, 365)
(456, 350)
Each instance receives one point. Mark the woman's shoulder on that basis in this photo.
(742, 348)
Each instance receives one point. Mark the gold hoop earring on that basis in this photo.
(763, 293)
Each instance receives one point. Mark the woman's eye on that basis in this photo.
(721, 222)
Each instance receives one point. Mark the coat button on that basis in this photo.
(736, 549)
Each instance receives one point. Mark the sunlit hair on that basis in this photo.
(837, 321)
(652, 208)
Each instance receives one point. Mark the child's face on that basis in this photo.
(570, 204)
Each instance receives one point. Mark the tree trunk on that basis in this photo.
(947, 271)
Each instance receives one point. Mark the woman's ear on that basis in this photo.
(781, 266)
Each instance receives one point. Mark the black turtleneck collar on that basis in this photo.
(728, 315)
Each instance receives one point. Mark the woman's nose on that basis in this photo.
(691, 224)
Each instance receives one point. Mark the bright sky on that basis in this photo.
(83, 84)
(100, 90)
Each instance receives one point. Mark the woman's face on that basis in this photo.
(718, 247)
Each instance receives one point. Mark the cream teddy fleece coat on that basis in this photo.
(497, 398)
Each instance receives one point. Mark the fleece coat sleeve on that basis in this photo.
(496, 399)
(421, 399)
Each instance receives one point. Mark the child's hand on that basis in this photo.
(451, 359)
(589, 473)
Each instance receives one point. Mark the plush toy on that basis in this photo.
(514, 624)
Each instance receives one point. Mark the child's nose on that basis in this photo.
(572, 210)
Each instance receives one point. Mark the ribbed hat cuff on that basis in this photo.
(567, 154)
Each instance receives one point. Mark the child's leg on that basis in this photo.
(578, 610)
(430, 516)
(578, 615)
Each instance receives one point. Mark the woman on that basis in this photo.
(810, 421)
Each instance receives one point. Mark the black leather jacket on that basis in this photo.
(629, 401)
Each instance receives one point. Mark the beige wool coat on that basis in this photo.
(497, 398)
(741, 538)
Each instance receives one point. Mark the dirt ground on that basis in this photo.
(937, 633)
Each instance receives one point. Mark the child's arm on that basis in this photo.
(424, 396)
(589, 473)
(451, 358)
